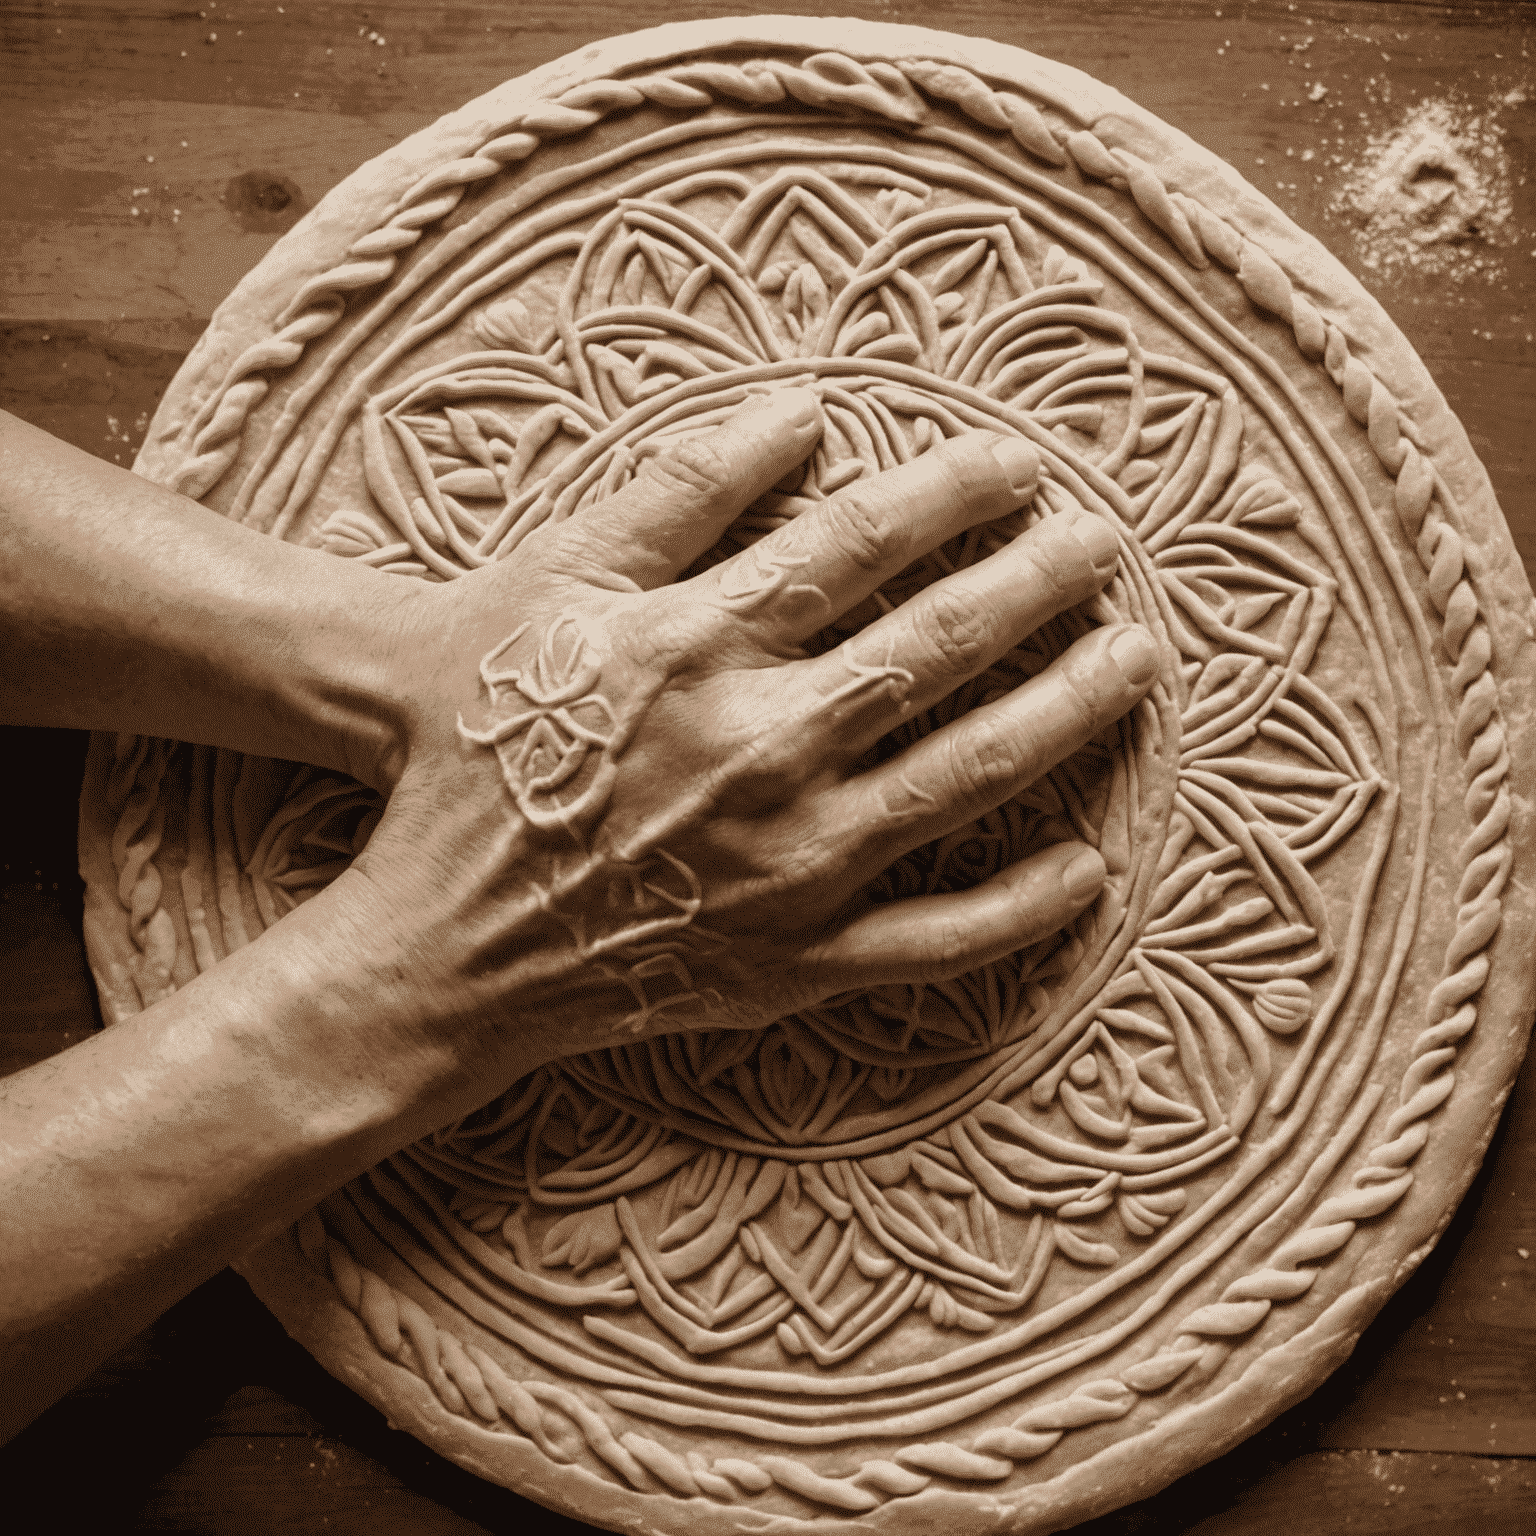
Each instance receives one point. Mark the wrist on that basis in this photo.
(346, 645)
(366, 1034)
(147, 1157)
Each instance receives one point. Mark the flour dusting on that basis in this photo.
(1434, 193)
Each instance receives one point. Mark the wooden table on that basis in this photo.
(153, 154)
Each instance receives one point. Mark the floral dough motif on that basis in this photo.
(882, 1220)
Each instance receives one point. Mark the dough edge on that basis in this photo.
(314, 1316)
(362, 201)
(312, 1310)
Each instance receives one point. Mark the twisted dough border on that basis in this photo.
(468, 1381)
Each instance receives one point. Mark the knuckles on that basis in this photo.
(955, 628)
(864, 531)
(988, 761)
(659, 637)
(945, 949)
(693, 469)
(764, 772)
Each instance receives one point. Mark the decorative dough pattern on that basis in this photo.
(923, 1234)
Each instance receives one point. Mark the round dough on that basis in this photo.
(1014, 1250)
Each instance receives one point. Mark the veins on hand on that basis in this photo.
(559, 749)
(654, 906)
(869, 678)
(766, 575)
(655, 963)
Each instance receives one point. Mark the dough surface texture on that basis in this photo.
(1004, 1252)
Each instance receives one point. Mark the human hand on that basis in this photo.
(646, 810)
(659, 813)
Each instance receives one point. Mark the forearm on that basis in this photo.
(126, 607)
(138, 1163)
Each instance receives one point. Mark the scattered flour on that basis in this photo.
(1433, 194)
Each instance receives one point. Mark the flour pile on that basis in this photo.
(1434, 194)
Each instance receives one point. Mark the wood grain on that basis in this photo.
(147, 167)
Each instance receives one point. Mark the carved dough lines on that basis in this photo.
(133, 789)
(827, 80)
(563, 736)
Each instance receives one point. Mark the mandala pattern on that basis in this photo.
(958, 1220)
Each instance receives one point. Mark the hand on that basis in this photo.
(657, 814)
(646, 809)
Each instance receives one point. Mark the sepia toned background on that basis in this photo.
(154, 152)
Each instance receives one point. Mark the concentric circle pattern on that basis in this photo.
(983, 1237)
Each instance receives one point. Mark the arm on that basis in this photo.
(598, 764)
(129, 608)
(136, 1164)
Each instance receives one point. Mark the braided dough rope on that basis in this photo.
(467, 1381)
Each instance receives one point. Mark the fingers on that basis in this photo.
(958, 773)
(684, 498)
(791, 583)
(931, 938)
(956, 628)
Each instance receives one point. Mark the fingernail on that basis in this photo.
(1083, 878)
(1099, 541)
(1020, 463)
(796, 406)
(1135, 653)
